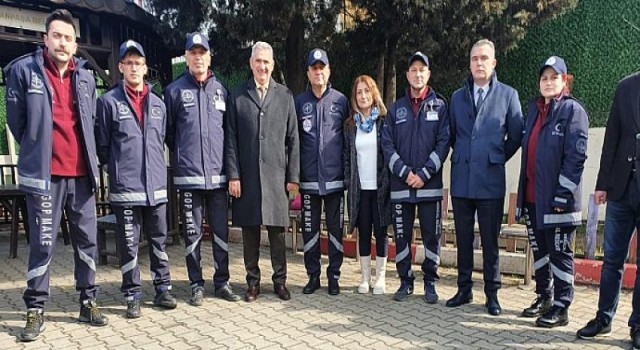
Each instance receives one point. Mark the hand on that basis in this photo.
(292, 187)
(235, 188)
(414, 181)
(600, 197)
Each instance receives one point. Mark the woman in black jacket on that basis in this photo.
(367, 179)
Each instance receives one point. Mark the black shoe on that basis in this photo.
(89, 313)
(33, 328)
(403, 292)
(133, 308)
(594, 329)
(165, 300)
(197, 296)
(282, 292)
(557, 316)
(334, 287)
(312, 285)
(430, 294)
(493, 306)
(459, 299)
(635, 337)
(227, 294)
(539, 307)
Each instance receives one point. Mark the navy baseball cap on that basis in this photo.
(130, 45)
(196, 39)
(317, 55)
(555, 62)
(419, 56)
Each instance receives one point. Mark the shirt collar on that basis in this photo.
(265, 86)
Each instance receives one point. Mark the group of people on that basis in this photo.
(259, 144)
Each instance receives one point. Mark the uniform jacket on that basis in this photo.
(195, 132)
(263, 153)
(416, 143)
(352, 178)
(559, 159)
(483, 142)
(135, 155)
(30, 118)
(321, 141)
(621, 148)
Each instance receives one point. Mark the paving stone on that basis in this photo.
(318, 321)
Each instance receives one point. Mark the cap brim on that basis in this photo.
(316, 61)
(196, 45)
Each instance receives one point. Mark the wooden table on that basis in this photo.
(14, 199)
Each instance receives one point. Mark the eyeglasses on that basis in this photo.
(136, 64)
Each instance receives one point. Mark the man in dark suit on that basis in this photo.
(486, 129)
(263, 161)
(618, 185)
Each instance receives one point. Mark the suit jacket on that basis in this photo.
(621, 139)
(484, 140)
(263, 152)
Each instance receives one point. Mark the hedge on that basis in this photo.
(599, 42)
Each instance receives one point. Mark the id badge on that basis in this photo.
(432, 116)
(220, 105)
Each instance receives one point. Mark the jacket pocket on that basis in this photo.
(496, 158)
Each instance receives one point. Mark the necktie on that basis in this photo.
(480, 98)
(261, 93)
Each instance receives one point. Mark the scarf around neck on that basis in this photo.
(367, 125)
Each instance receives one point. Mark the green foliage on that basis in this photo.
(599, 42)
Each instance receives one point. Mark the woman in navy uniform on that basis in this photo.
(554, 149)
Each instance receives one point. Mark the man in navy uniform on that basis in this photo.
(196, 105)
(415, 142)
(50, 110)
(130, 135)
(321, 112)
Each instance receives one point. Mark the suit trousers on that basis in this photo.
(490, 213)
(251, 248)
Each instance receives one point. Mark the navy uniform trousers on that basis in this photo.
(75, 195)
(130, 220)
(311, 215)
(429, 214)
(193, 203)
(489, 221)
(553, 259)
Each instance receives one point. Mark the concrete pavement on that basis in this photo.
(319, 321)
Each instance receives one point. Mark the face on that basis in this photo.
(483, 63)
(262, 65)
(318, 74)
(364, 97)
(198, 60)
(551, 83)
(133, 68)
(418, 75)
(61, 41)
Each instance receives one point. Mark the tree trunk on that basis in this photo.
(294, 50)
(380, 68)
(390, 72)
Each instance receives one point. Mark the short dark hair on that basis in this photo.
(60, 15)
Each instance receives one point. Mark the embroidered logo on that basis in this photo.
(307, 108)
